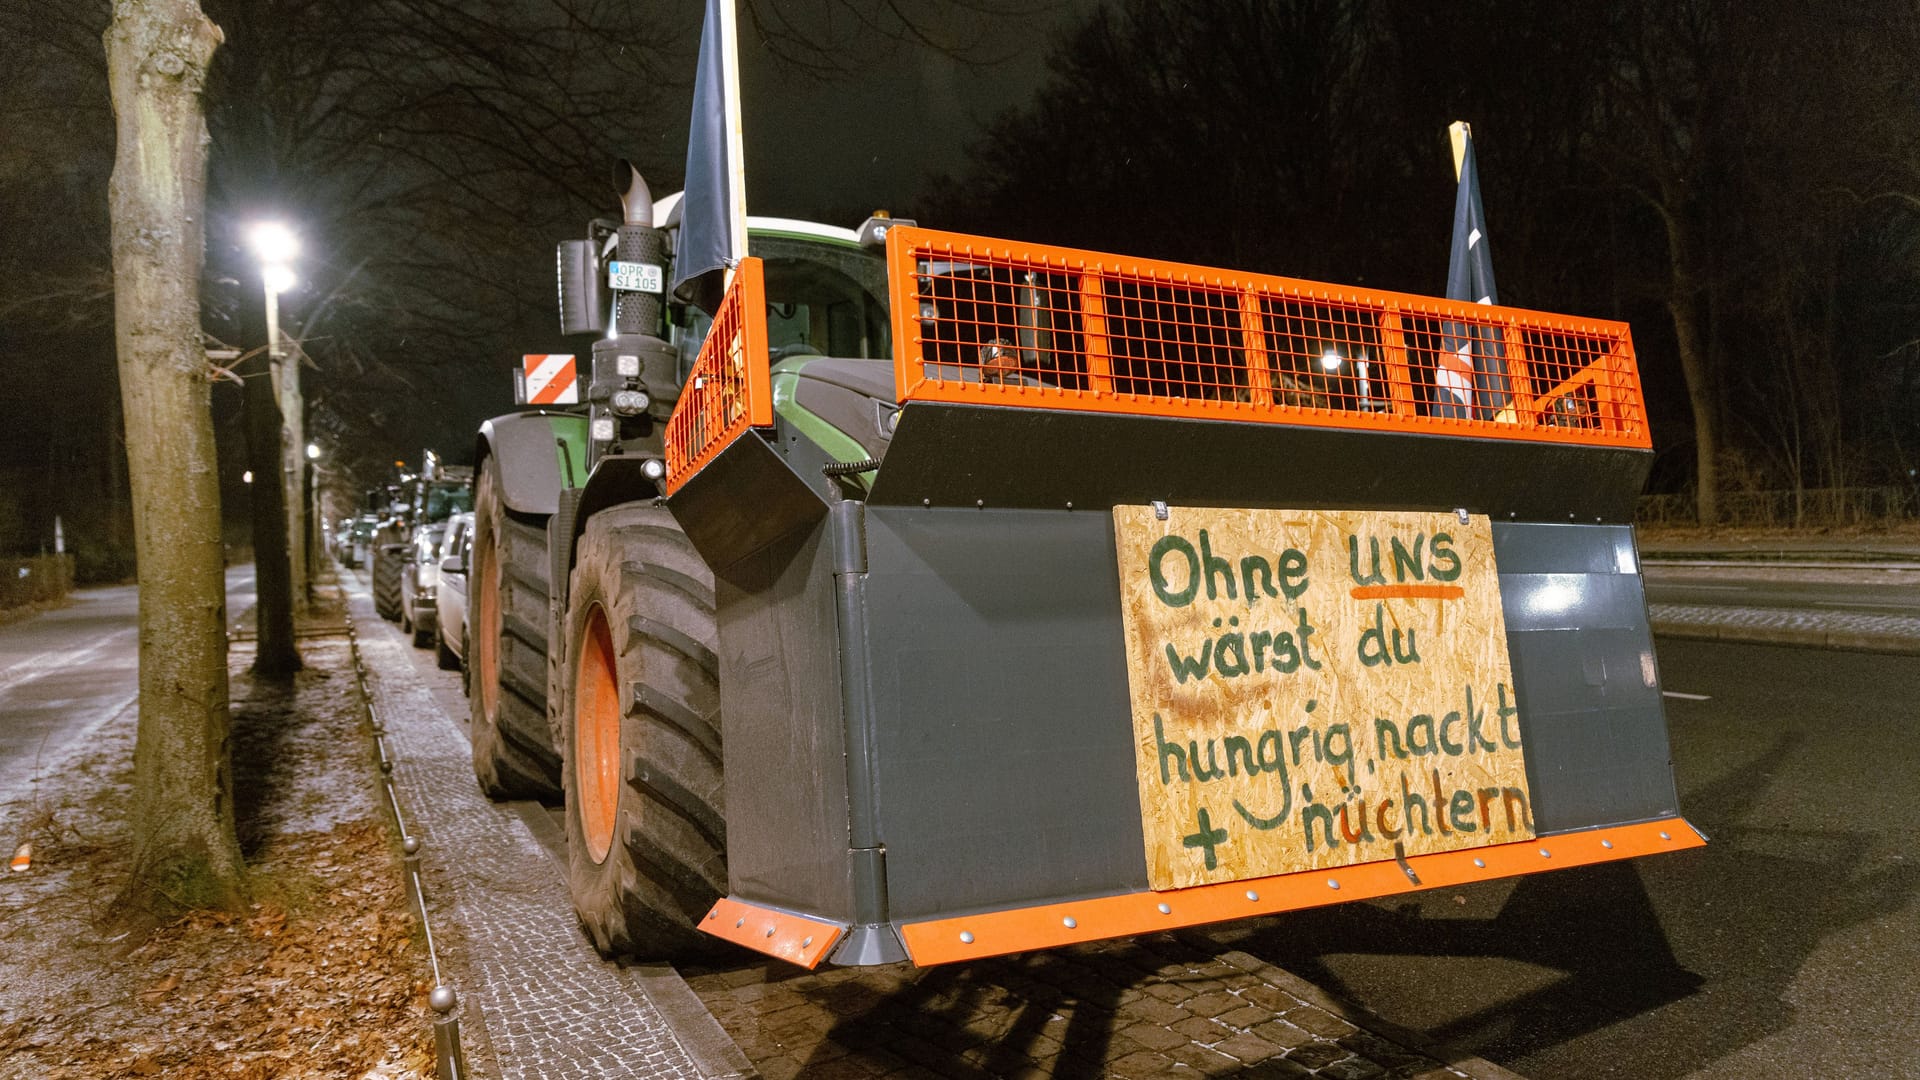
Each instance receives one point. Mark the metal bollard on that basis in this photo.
(450, 1063)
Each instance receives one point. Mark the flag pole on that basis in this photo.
(736, 155)
(1459, 132)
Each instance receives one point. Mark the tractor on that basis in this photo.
(940, 596)
(417, 501)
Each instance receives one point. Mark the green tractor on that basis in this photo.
(939, 597)
(414, 502)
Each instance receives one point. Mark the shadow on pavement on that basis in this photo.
(1599, 929)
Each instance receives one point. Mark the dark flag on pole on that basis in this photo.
(1470, 379)
(710, 235)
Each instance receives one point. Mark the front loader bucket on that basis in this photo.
(1179, 596)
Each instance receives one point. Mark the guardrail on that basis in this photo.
(729, 389)
(996, 322)
(1788, 508)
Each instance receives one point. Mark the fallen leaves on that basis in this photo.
(321, 978)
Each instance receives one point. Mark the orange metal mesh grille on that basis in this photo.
(729, 389)
(986, 321)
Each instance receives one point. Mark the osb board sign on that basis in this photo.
(1314, 689)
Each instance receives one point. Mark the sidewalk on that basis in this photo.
(537, 1001)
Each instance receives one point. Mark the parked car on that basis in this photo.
(450, 599)
(419, 577)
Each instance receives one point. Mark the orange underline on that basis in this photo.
(1409, 592)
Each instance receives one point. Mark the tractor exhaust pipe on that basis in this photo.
(636, 201)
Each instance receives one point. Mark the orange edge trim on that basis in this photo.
(996, 933)
(797, 939)
(1407, 592)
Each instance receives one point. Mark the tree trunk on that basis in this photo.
(274, 653)
(185, 851)
(1686, 303)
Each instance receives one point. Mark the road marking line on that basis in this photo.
(1685, 697)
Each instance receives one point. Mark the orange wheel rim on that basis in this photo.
(596, 735)
(486, 647)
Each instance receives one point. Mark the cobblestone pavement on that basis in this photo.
(537, 1000)
(1159, 1006)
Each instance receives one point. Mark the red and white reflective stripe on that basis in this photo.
(551, 379)
(1454, 373)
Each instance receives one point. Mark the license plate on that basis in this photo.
(635, 277)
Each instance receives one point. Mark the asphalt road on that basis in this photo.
(1785, 948)
(1872, 593)
(67, 672)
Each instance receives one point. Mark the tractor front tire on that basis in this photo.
(513, 752)
(646, 831)
(387, 601)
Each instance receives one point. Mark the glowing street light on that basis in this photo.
(273, 242)
(313, 451)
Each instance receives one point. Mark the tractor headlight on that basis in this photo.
(629, 402)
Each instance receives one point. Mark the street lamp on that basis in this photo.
(276, 245)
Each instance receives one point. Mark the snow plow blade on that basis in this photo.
(1179, 595)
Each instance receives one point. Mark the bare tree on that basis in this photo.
(185, 851)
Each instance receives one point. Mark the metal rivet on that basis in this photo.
(769, 931)
(1545, 854)
(1333, 883)
(1069, 923)
(1481, 863)
(1166, 909)
(966, 937)
(1608, 844)
(1664, 836)
(1251, 895)
(1159, 510)
(806, 941)
(713, 914)
(738, 923)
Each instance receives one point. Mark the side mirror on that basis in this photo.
(453, 564)
(583, 295)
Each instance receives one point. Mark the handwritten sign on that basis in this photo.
(1315, 689)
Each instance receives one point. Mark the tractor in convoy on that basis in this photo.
(406, 544)
(940, 596)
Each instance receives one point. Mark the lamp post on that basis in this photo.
(310, 476)
(277, 246)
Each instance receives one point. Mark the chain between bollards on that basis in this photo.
(450, 1062)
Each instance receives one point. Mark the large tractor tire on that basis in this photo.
(646, 832)
(513, 752)
(388, 560)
